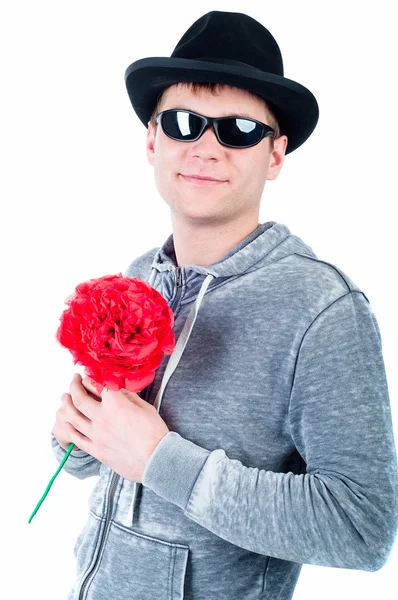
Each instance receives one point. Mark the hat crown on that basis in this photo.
(231, 38)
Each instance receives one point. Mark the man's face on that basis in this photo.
(243, 171)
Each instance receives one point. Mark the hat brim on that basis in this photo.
(295, 107)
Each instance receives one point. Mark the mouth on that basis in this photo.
(204, 181)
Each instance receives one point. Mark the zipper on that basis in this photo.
(115, 476)
(174, 303)
(179, 280)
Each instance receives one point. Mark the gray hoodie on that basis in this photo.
(281, 448)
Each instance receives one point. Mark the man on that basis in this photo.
(274, 447)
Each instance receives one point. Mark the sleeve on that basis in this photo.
(79, 463)
(343, 511)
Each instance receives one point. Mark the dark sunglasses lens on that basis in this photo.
(239, 132)
(181, 125)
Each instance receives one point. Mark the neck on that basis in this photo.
(205, 244)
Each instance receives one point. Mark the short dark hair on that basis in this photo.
(213, 87)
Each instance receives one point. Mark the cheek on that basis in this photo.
(167, 156)
(259, 165)
(252, 172)
(166, 169)
(247, 167)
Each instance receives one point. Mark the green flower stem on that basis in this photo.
(71, 445)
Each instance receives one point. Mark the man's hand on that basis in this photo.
(63, 416)
(121, 431)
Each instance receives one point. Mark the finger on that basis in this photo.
(91, 389)
(122, 395)
(88, 383)
(81, 441)
(73, 416)
(80, 398)
(92, 386)
(135, 398)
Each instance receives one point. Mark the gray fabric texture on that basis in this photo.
(281, 447)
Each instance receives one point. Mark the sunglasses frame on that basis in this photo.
(267, 131)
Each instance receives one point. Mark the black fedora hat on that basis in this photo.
(234, 49)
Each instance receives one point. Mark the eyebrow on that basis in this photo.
(224, 115)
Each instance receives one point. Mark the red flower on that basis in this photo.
(118, 328)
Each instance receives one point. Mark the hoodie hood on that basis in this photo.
(268, 243)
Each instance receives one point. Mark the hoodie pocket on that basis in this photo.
(133, 565)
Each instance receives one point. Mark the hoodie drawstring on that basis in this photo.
(174, 358)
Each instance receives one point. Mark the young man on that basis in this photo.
(274, 447)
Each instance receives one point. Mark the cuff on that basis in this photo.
(174, 467)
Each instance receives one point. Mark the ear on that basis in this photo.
(150, 143)
(277, 157)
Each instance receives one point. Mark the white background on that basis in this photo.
(78, 200)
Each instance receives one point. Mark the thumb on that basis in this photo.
(135, 398)
(132, 396)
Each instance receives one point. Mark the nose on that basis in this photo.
(209, 129)
(208, 142)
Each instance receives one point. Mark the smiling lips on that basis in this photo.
(201, 180)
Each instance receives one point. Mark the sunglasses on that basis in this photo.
(234, 132)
